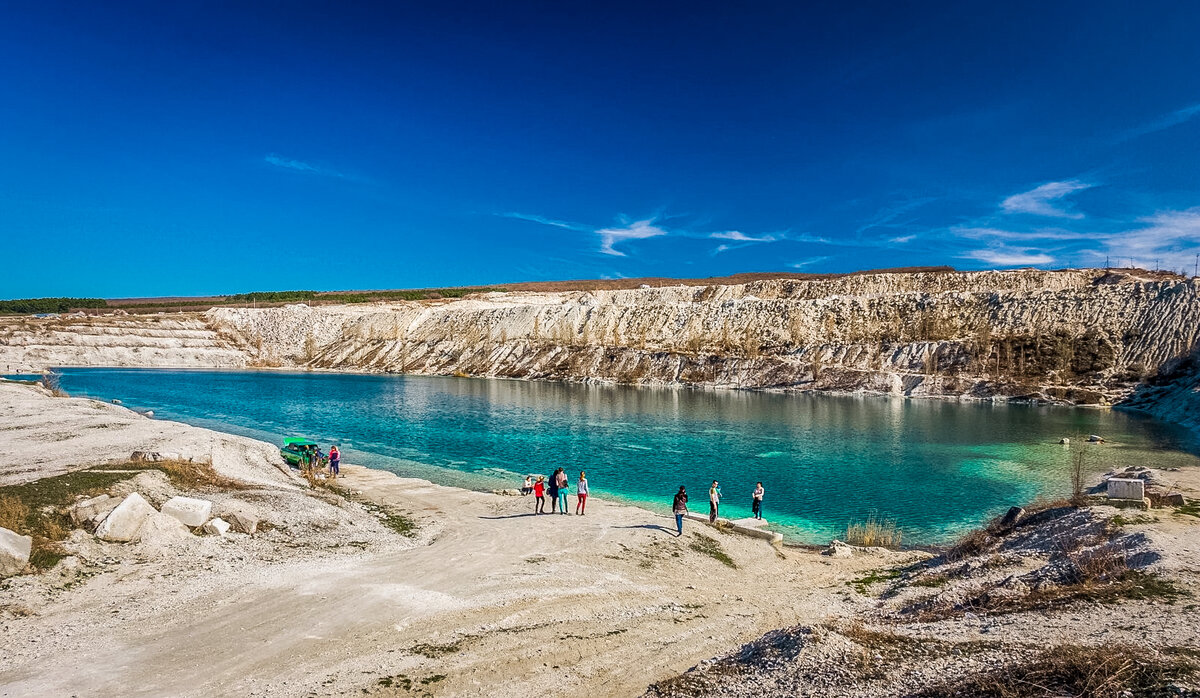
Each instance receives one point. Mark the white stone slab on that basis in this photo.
(1126, 488)
(189, 511)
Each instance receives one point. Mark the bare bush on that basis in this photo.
(874, 532)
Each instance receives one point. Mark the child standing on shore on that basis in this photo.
(539, 493)
(756, 501)
(581, 493)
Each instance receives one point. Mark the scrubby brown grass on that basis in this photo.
(710, 547)
(874, 532)
(1072, 670)
(185, 475)
(1100, 575)
(38, 509)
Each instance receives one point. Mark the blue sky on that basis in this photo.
(204, 148)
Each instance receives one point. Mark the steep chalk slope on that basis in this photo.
(182, 340)
(1084, 336)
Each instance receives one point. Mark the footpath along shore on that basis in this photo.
(469, 595)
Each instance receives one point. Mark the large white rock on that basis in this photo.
(14, 552)
(217, 527)
(162, 530)
(89, 512)
(124, 522)
(189, 511)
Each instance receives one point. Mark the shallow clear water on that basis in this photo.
(936, 467)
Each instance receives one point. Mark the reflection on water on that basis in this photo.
(936, 466)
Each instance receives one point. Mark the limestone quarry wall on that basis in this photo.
(177, 340)
(1075, 336)
(1082, 336)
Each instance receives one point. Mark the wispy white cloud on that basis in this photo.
(545, 221)
(1168, 239)
(808, 262)
(637, 230)
(739, 236)
(902, 239)
(888, 217)
(301, 166)
(1009, 257)
(1036, 234)
(1040, 201)
(656, 226)
(1163, 122)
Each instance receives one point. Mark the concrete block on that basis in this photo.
(217, 527)
(1126, 488)
(89, 512)
(190, 512)
(14, 552)
(124, 522)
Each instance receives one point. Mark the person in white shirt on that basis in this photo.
(756, 502)
(581, 493)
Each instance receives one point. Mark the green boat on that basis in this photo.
(300, 453)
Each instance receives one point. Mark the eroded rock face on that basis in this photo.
(1083, 336)
(1074, 336)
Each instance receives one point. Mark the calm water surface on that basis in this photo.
(937, 467)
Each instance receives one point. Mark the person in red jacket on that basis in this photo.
(539, 494)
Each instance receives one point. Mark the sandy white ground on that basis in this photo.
(486, 600)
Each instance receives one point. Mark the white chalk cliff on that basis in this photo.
(1078, 336)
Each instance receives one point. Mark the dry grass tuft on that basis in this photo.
(38, 509)
(52, 381)
(874, 532)
(1073, 670)
(185, 475)
(13, 513)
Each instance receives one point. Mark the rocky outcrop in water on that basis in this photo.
(1078, 336)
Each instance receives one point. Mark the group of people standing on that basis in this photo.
(679, 505)
(558, 487)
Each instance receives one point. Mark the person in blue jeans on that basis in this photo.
(679, 508)
(335, 461)
(564, 488)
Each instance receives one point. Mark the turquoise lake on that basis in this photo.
(936, 467)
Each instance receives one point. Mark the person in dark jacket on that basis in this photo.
(679, 508)
(552, 486)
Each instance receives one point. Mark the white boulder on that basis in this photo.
(124, 522)
(89, 512)
(189, 511)
(163, 530)
(839, 549)
(242, 517)
(14, 552)
(217, 527)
